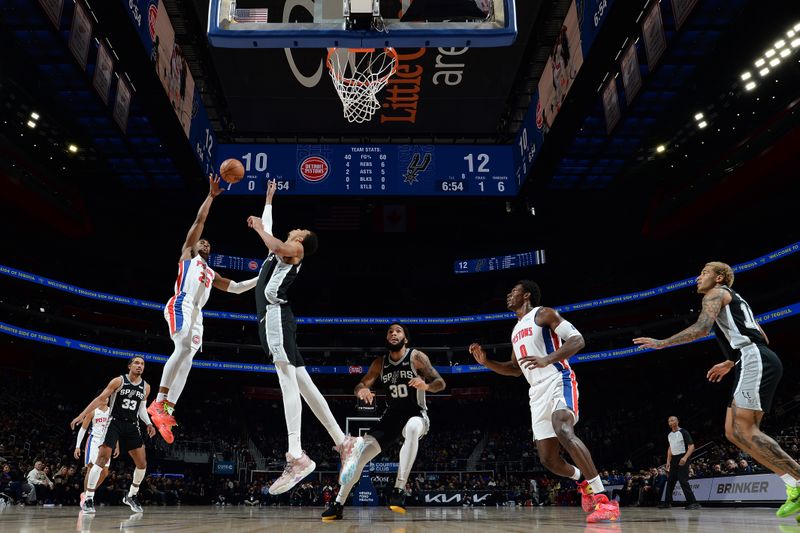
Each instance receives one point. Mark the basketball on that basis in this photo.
(232, 170)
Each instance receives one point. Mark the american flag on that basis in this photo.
(250, 15)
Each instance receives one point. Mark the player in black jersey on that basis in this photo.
(758, 371)
(406, 374)
(277, 330)
(127, 397)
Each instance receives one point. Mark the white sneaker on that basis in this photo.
(351, 453)
(294, 472)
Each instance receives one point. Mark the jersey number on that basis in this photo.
(749, 320)
(204, 279)
(398, 391)
(127, 403)
(523, 351)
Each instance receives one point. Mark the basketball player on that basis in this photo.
(184, 314)
(98, 420)
(406, 415)
(542, 342)
(277, 329)
(126, 396)
(758, 371)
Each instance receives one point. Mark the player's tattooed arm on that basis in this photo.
(362, 390)
(712, 304)
(196, 230)
(429, 379)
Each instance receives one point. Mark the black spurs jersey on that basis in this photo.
(736, 326)
(274, 280)
(125, 401)
(395, 376)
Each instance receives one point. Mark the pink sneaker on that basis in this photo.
(589, 500)
(293, 473)
(350, 452)
(83, 497)
(605, 512)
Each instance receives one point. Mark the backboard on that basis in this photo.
(322, 24)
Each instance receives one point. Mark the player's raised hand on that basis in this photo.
(214, 189)
(418, 383)
(255, 223)
(478, 353)
(648, 343)
(272, 186)
(366, 395)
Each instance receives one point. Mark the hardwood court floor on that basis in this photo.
(379, 520)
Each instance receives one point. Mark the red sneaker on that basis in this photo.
(589, 500)
(162, 421)
(608, 511)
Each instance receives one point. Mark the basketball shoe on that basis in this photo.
(605, 512)
(351, 462)
(397, 500)
(334, 512)
(590, 500)
(294, 472)
(792, 504)
(160, 413)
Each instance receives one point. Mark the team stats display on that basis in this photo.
(372, 170)
(500, 262)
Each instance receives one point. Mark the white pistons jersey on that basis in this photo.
(530, 339)
(99, 425)
(192, 289)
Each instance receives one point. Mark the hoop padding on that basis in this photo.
(358, 76)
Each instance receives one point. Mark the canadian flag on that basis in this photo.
(395, 219)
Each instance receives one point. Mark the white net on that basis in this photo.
(358, 75)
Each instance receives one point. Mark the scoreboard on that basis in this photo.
(500, 262)
(374, 170)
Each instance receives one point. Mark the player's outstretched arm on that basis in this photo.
(151, 430)
(362, 389)
(712, 303)
(506, 368)
(266, 215)
(113, 385)
(236, 287)
(284, 249)
(429, 379)
(199, 223)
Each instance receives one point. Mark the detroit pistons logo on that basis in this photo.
(252, 265)
(355, 369)
(314, 169)
(196, 339)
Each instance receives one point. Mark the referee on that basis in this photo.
(678, 453)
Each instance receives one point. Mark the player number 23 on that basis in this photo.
(127, 403)
(398, 391)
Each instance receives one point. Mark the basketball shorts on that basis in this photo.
(185, 325)
(125, 433)
(277, 330)
(548, 396)
(92, 447)
(391, 425)
(758, 373)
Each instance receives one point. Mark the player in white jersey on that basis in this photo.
(98, 421)
(542, 342)
(758, 371)
(184, 314)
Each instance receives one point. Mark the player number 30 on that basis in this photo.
(398, 391)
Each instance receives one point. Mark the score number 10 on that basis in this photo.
(259, 163)
(482, 161)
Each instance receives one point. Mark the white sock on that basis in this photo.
(292, 407)
(412, 431)
(789, 480)
(596, 485)
(181, 375)
(138, 476)
(577, 474)
(161, 396)
(316, 401)
(371, 450)
(94, 477)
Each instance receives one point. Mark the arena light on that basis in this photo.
(750, 86)
(779, 44)
(31, 124)
(795, 43)
(769, 53)
(746, 76)
(703, 123)
(764, 71)
(774, 62)
(796, 27)
(785, 52)
(34, 115)
(73, 149)
(661, 148)
(698, 116)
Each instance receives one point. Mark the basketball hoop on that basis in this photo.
(358, 75)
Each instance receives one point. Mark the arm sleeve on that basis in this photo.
(143, 414)
(565, 330)
(266, 218)
(687, 439)
(81, 434)
(238, 287)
